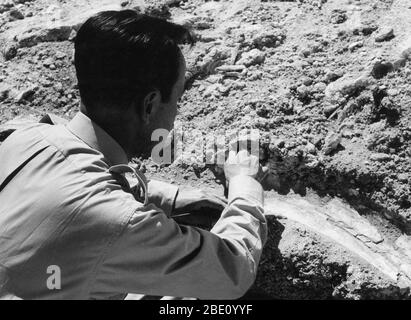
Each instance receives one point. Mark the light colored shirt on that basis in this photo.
(61, 207)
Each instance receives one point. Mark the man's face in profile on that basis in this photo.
(164, 116)
(168, 110)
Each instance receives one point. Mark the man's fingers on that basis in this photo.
(210, 196)
(243, 157)
(223, 200)
(231, 156)
(253, 160)
(263, 173)
(212, 204)
(214, 199)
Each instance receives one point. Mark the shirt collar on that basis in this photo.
(94, 136)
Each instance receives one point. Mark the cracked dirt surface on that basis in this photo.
(327, 83)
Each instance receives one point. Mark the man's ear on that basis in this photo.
(151, 104)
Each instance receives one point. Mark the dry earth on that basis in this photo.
(327, 83)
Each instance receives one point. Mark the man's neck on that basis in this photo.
(114, 127)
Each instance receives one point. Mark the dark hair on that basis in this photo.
(121, 55)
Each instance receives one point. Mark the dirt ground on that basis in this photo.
(327, 83)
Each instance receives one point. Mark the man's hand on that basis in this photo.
(197, 208)
(243, 164)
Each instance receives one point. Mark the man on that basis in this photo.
(70, 225)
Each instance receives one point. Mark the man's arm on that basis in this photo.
(163, 195)
(189, 206)
(156, 256)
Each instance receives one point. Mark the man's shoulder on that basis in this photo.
(69, 171)
(58, 139)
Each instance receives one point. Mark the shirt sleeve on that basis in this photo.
(156, 256)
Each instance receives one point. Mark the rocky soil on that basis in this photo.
(327, 83)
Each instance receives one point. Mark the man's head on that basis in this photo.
(131, 74)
